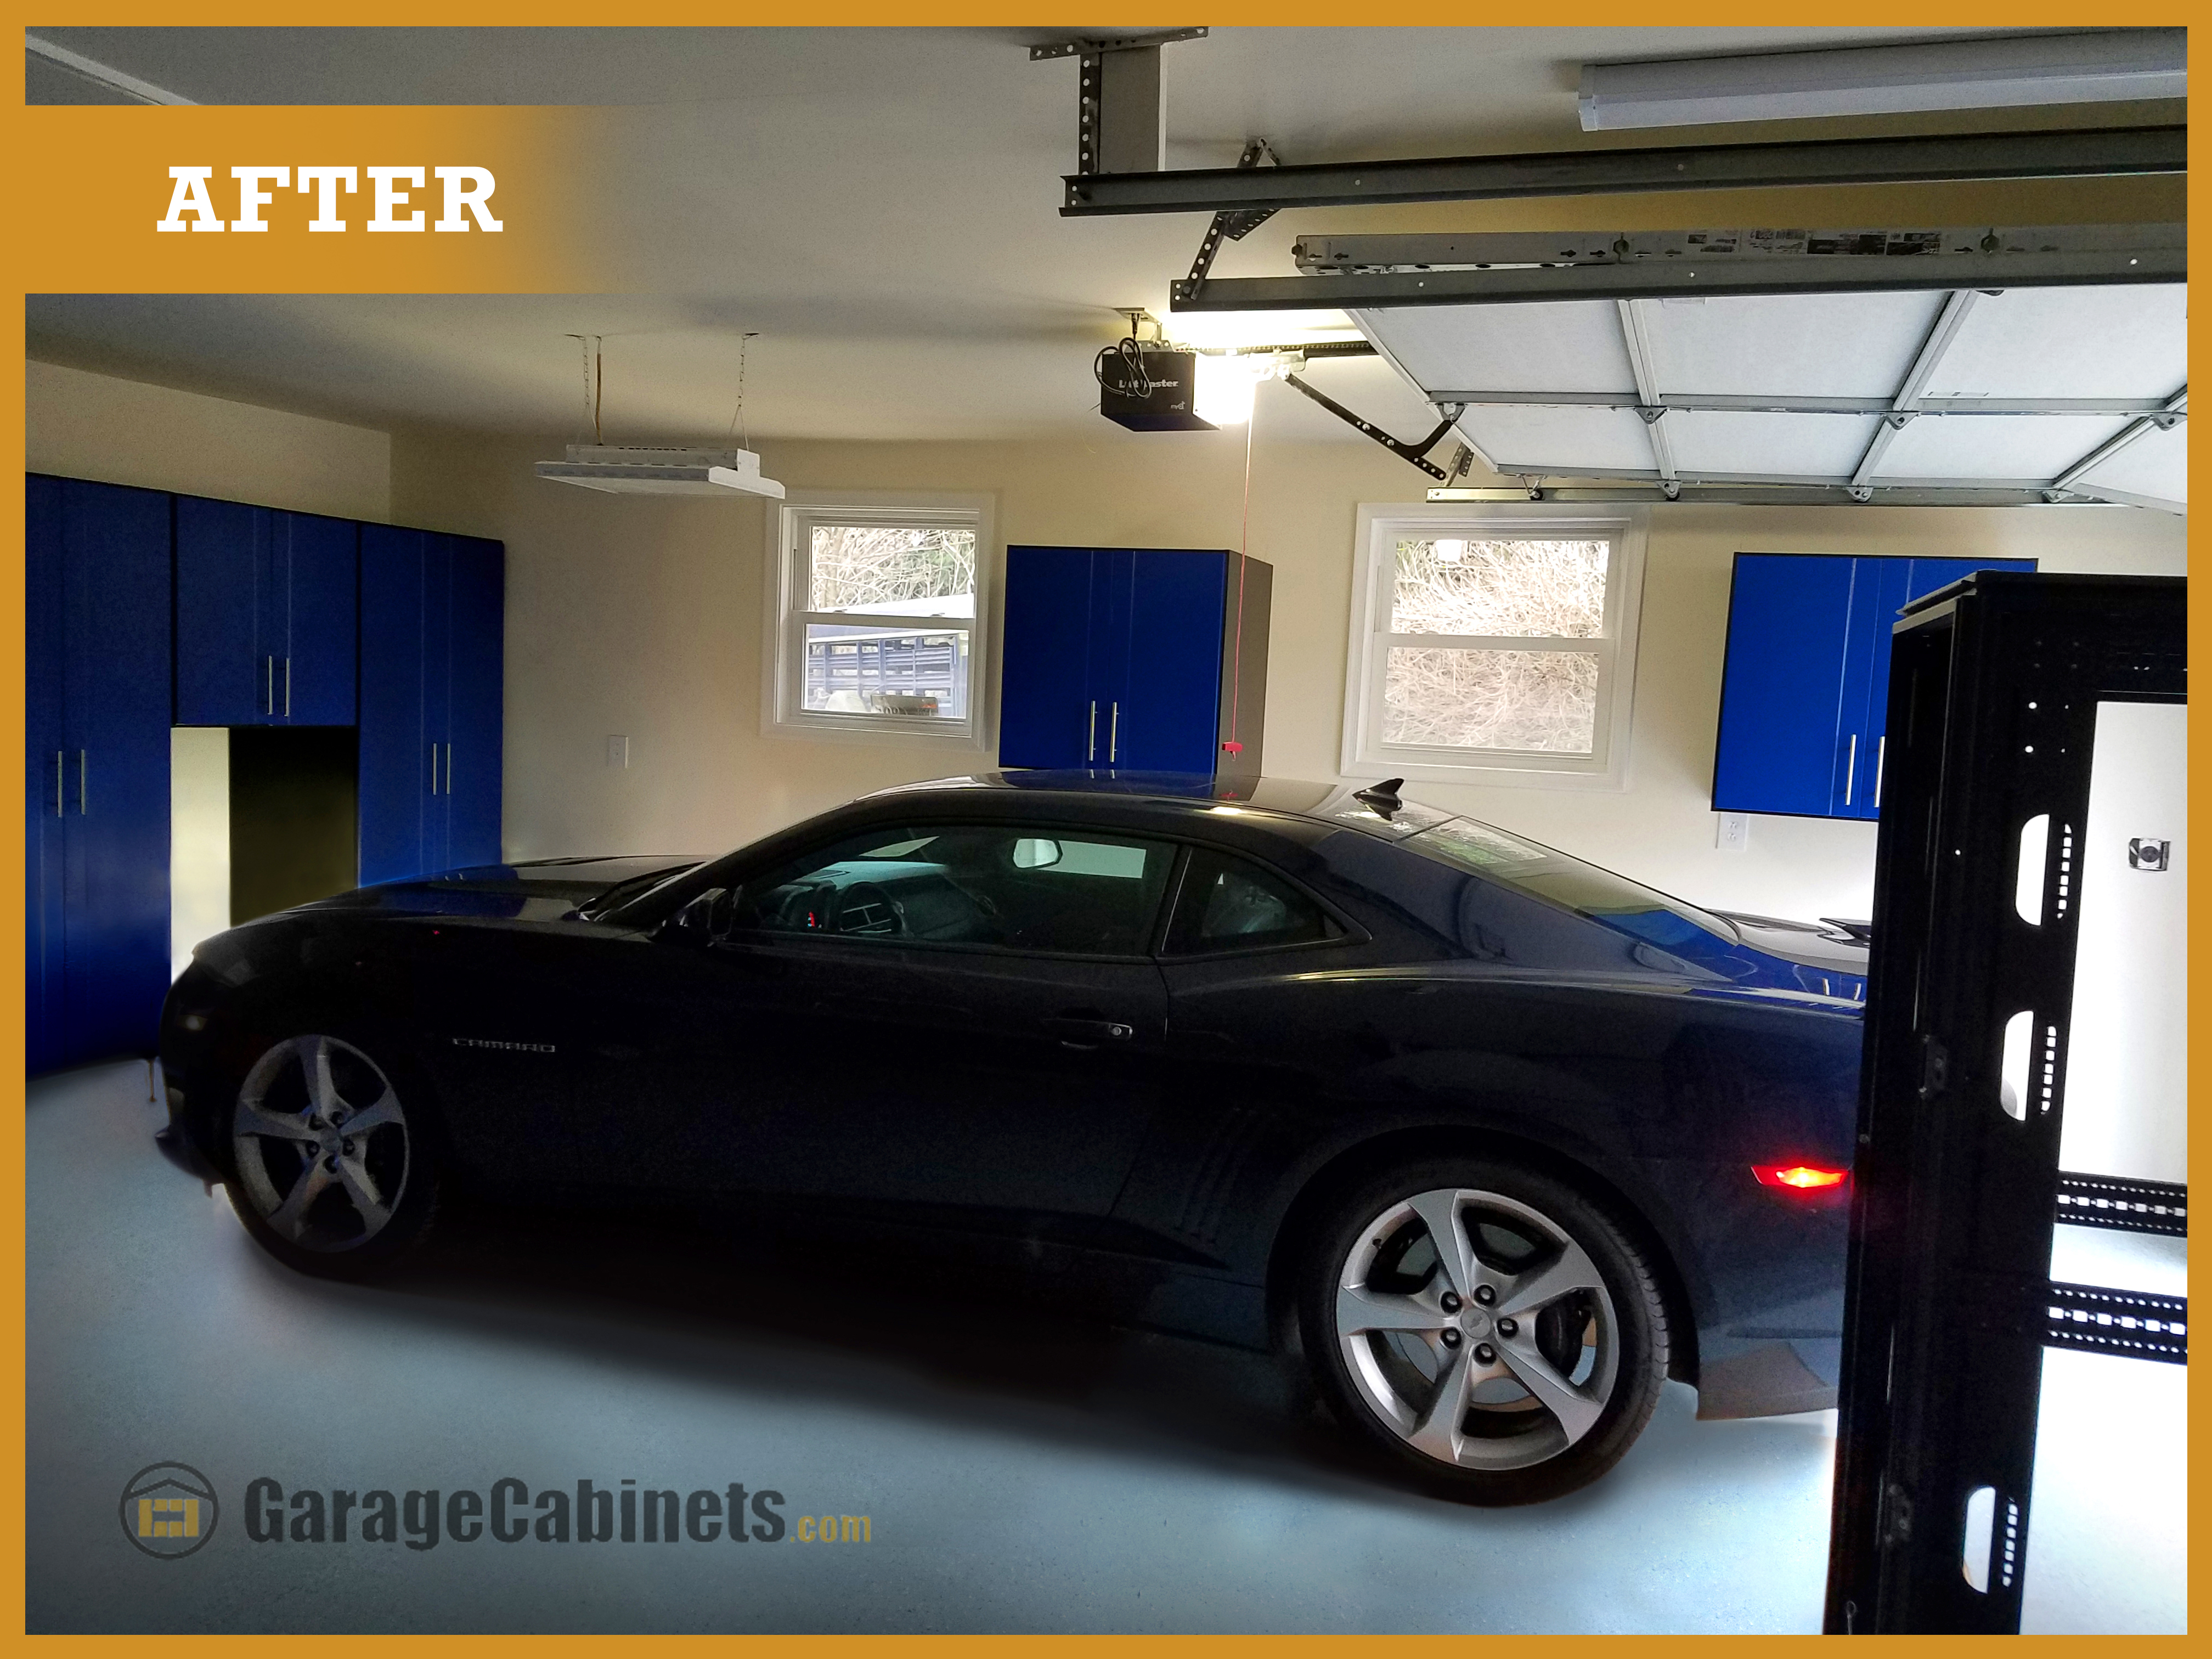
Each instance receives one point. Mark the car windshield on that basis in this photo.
(1623, 905)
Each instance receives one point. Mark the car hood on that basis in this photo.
(536, 890)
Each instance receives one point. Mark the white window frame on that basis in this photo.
(784, 621)
(1381, 525)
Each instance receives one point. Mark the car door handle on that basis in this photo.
(1089, 1032)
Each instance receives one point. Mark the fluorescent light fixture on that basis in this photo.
(1999, 74)
(627, 470)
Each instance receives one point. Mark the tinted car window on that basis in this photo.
(1019, 889)
(1227, 904)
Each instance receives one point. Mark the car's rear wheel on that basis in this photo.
(332, 1175)
(1486, 1326)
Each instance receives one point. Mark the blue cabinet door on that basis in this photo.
(432, 631)
(226, 671)
(1106, 652)
(477, 645)
(45, 774)
(117, 700)
(1788, 635)
(1044, 699)
(1806, 678)
(1171, 694)
(395, 753)
(319, 558)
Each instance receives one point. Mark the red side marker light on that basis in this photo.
(1803, 1177)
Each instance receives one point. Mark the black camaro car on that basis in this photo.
(1491, 1140)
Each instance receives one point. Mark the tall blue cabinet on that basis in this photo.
(1144, 659)
(430, 701)
(266, 620)
(97, 696)
(1806, 674)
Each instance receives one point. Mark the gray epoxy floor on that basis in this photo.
(1019, 1472)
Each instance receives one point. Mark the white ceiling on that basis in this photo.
(880, 204)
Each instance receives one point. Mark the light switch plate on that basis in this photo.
(618, 752)
(1734, 834)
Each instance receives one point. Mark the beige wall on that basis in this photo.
(125, 432)
(639, 618)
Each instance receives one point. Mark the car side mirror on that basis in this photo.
(703, 921)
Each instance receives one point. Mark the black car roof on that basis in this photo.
(1333, 803)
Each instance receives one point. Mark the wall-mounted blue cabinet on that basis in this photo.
(431, 672)
(1142, 660)
(267, 625)
(1804, 688)
(97, 588)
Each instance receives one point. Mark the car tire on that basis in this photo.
(1544, 1326)
(331, 1153)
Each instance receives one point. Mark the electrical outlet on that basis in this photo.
(618, 752)
(1734, 832)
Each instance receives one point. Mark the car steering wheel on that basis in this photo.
(865, 909)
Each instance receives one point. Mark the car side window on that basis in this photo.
(1228, 904)
(1018, 888)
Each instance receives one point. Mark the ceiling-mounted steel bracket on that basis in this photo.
(1120, 120)
(1900, 418)
(1649, 413)
(1671, 489)
(1235, 226)
(1417, 451)
(2166, 420)
(1859, 492)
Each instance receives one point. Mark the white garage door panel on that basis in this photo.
(1795, 446)
(1535, 439)
(1820, 345)
(2069, 343)
(1534, 348)
(2155, 466)
(2037, 446)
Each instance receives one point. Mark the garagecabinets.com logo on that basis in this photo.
(169, 1509)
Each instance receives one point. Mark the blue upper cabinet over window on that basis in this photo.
(97, 819)
(265, 615)
(1805, 688)
(1131, 659)
(432, 610)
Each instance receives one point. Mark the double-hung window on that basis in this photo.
(877, 608)
(1491, 648)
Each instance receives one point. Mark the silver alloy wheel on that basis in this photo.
(321, 1144)
(1477, 1328)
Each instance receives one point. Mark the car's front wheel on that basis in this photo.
(1486, 1326)
(332, 1174)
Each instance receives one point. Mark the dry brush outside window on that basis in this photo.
(1489, 649)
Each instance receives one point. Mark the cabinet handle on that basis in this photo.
(434, 768)
(1850, 769)
(1114, 735)
(287, 688)
(84, 773)
(449, 768)
(1881, 756)
(269, 685)
(60, 762)
(1091, 742)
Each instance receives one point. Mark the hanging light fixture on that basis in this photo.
(639, 469)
